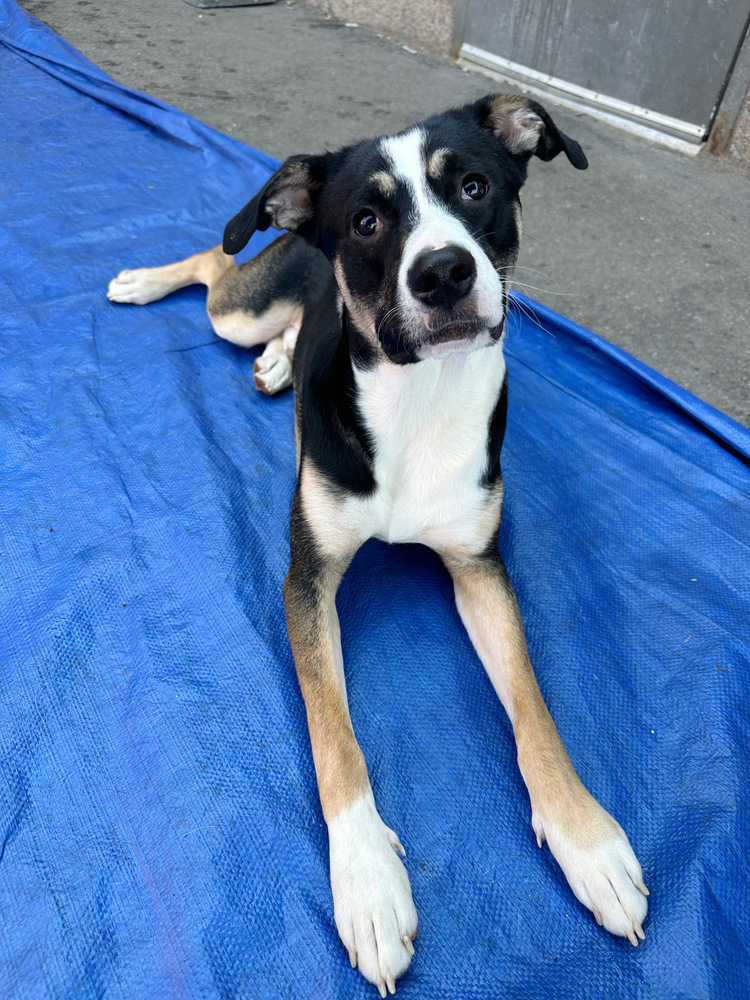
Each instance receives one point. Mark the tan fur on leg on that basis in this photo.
(590, 846)
(489, 610)
(148, 284)
(315, 637)
(373, 906)
(217, 271)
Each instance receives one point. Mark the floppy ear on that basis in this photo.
(527, 130)
(287, 201)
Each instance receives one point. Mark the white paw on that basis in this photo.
(599, 863)
(374, 911)
(137, 287)
(272, 373)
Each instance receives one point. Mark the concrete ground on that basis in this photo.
(649, 248)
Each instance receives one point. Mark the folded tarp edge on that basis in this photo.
(729, 432)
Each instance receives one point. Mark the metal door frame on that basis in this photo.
(683, 135)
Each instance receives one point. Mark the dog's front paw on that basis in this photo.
(595, 854)
(374, 911)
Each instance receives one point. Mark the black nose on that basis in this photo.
(442, 277)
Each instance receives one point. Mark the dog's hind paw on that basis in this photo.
(138, 287)
(600, 866)
(373, 907)
(272, 372)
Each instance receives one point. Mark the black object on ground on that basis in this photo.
(227, 3)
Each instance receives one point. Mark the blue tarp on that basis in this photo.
(160, 831)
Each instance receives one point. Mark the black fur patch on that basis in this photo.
(333, 434)
(279, 273)
(495, 437)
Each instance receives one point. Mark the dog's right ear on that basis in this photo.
(287, 201)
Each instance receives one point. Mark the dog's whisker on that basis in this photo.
(384, 320)
(536, 288)
(524, 267)
(524, 309)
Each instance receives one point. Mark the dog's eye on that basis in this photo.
(474, 188)
(366, 223)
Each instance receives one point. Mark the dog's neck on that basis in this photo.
(435, 388)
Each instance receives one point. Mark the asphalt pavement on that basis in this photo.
(649, 247)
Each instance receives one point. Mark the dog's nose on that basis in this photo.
(442, 277)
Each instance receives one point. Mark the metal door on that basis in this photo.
(664, 62)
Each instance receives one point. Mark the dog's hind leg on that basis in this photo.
(259, 302)
(148, 284)
(263, 300)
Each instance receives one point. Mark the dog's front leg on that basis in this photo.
(589, 845)
(373, 906)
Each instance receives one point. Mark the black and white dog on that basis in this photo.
(393, 338)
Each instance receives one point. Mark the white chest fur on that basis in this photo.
(429, 423)
(429, 426)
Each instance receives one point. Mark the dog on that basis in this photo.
(385, 305)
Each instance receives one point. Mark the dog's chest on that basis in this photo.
(429, 426)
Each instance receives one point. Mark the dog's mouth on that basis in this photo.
(461, 328)
(439, 335)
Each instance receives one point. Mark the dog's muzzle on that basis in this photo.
(450, 300)
(442, 281)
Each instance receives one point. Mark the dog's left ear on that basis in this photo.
(287, 201)
(527, 130)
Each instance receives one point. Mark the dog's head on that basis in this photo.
(422, 228)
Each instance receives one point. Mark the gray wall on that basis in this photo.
(426, 23)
